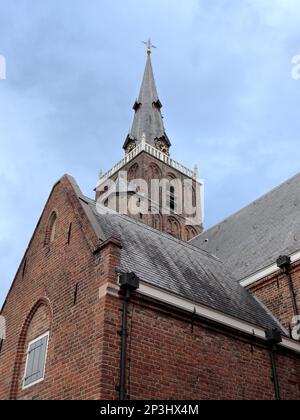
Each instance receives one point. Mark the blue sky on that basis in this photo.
(74, 68)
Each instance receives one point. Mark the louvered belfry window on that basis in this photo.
(36, 361)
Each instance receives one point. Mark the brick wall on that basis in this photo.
(274, 292)
(38, 323)
(169, 358)
(148, 168)
(42, 298)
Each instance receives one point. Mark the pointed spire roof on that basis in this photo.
(148, 120)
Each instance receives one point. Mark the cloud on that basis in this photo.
(223, 70)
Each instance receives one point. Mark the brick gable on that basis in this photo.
(70, 287)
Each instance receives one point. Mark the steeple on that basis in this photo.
(172, 203)
(148, 120)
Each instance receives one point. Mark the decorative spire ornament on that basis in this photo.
(149, 46)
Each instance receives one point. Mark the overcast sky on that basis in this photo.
(74, 68)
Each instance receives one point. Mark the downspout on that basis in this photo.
(274, 338)
(284, 263)
(129, 282)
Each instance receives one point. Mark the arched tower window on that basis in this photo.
(133, 172)
(51, 229)
(154, 171)
(173, 227)
(172, 199)
(156, 221)
(190, 233)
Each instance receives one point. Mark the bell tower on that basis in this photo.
(148, 184)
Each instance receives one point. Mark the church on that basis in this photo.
(125, 296)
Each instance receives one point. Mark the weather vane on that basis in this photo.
(149, 45)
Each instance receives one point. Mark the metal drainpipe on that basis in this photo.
(293, 293)
(273, 338)
(275, 374)
(284, 262)
(129, 282)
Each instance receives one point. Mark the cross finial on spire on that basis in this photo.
(149, 46)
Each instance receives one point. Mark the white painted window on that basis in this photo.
(36, 361)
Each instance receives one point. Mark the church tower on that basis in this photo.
(168, 199)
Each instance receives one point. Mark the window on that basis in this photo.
(36, 361)
(156, 222)
(172, 199)
(173, 228)
(51, 229)
(190, 233)
(132, 173)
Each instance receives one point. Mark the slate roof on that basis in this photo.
(181, 268)
(257, 235)
(147, 119)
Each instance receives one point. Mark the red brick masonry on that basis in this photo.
(170, 355)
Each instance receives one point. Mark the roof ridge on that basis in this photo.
(259, 199)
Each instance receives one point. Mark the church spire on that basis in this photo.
(148, 121)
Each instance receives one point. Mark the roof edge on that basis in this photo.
(29, 243)
(221, 318)
(266, 271)
(245, 207)
(87, 211)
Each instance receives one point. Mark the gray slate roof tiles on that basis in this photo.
(257, 235)
(181, 268)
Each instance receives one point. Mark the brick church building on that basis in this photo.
(148, 305)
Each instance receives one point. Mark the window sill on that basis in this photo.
(33, 384)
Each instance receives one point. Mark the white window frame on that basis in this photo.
(27, 359)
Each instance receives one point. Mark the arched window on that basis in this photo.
(51, 229)
(133, 172)
(194, 198)
(156, 221)
(190, 233)
(172, 199)
(173, 227)
(172, 192)
(31, 352)
(154, 171)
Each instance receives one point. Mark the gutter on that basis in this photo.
(226, 320)
(265, 272)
